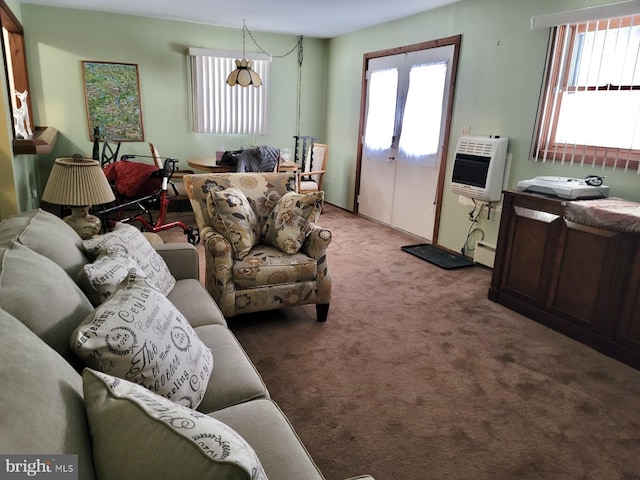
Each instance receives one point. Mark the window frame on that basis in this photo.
(545, 148)
(18, 74)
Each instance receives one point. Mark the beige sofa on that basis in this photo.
(42, 406)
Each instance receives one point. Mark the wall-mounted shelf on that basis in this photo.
(41, 142)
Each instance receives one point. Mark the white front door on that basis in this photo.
(405, 128)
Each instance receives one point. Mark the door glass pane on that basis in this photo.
(383, 88)
(420, 137)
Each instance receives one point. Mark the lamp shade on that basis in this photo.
(243, 75)
(77, 181)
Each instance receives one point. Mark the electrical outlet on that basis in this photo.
(465, 130)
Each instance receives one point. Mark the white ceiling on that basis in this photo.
(312, 18)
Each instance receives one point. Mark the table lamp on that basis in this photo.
(78, 183)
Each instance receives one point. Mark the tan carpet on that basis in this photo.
(416, 375)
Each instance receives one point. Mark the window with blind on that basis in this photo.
(218, 108)
(590, 110)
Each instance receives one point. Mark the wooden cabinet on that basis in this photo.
(581, 281)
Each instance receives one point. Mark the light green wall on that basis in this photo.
(499, 76)
(498, 84)
(59, 39)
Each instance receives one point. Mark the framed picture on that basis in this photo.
(112, 98)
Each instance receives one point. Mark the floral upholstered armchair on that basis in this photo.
(263, 249)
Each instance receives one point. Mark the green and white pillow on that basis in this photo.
(234, 219)
(137, 434)
(140, 336)
(130, 241)
(291, 220)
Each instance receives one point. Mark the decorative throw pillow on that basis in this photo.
(108, 271)
(129, 240)
(290, 221)
(234, 219)
(139, 335)
(137, 434)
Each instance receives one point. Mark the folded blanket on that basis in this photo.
(608, 213)
(258, 159)
(133, 179)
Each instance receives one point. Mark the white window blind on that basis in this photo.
(218, 108)
(590, 109)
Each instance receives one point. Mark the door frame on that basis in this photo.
(454, 40)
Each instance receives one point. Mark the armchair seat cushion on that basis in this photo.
(265, 265)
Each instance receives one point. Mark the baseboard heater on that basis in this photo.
(485, 253)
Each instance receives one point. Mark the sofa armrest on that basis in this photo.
(181, 258)
(317, 242)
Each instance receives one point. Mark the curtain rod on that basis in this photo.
(612, 10)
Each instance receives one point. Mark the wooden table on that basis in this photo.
(209, 164)
(288, 166)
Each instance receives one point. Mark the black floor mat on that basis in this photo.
(437, 256)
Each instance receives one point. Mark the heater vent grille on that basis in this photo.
(472, 147)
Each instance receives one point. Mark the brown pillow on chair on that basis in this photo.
(290, 221)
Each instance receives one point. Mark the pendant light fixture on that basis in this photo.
(243, 75)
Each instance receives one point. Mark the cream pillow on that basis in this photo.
(139, 335)
(105, 274)
(130, 241)
(234, 219)
(137, 434)
(290, 221)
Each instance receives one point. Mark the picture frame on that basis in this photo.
(112, 100)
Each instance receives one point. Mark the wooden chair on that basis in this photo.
(109, 153)
(311, 178)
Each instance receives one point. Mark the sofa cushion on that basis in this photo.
(140, 336)
(291, 220)
(194, 302)
(42, 296)
(47, 235)
(263, 425)
(99, 280)
(130, 241)
(234, 219)
(137, 434)
(42, 406)
(235, 379)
